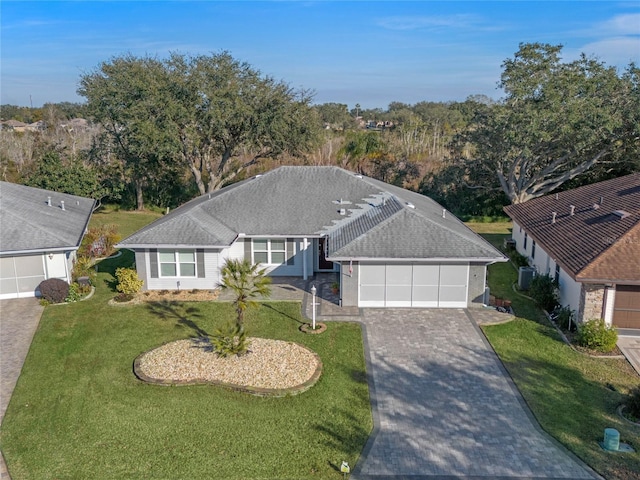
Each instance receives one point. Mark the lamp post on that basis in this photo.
(313, 306)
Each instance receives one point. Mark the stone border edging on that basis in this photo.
(89, 295)
(619, 411)
(257, 391)
(306, 328)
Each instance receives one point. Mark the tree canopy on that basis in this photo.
(211, 114)
(557, 121)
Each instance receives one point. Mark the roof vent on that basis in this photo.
(621, 214)
(62, 204)
(342, 211)
(49, 201)
(444, 213)
(596, 206)
(572, 210)
(357, 175)
(258, 175)
(556, 196)
(601, 199)
(553, 217)
(410, 205)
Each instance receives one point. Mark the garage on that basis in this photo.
(626, 310)
(20, 276)
(413, 285)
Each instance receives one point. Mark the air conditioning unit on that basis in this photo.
(525, 275)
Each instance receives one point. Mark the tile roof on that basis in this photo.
(314, 202)
(28, 223)
(604, 215)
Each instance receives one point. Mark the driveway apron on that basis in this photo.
(444, 407)
(19, 320)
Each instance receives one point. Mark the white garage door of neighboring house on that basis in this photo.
(443, 286)
(19, 276)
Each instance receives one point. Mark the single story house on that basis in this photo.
(389, 247)
(589, 239)
(40, 233)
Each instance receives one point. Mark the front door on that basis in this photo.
(323, 263)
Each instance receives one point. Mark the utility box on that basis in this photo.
(525, 275)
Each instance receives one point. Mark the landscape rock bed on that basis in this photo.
(270, 368)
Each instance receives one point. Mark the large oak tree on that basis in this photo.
(557, 121)
(211, 114)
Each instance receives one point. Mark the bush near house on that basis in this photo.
(128, 281)
(54, 290)
(544, 291)
(597, 335)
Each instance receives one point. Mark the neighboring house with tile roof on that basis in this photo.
(40, 233)
(588, 238)
(388, 246)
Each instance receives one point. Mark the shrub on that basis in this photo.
(633, 402)
(128, 281)
(230, 341)
(544, 291)
(518, 259)
(74, 293)
(99, 241)
(596, 335)
(54, 290)
(84, 267)
(565, 318)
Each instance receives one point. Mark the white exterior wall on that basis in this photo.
(610, 299)
(570, 290)
(542, 262)
(518, 235)
(234, 252)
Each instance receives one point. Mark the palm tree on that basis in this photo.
(247, 282)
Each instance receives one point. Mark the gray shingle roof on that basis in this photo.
(307, 201)
(27, 223)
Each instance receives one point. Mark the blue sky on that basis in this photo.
(371, 53)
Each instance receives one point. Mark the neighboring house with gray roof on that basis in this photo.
(389, 246)
(40, 233)
(589, 239)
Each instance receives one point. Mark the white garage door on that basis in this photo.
(443, 286)
(20, 276)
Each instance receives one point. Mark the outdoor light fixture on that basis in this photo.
(313, 307)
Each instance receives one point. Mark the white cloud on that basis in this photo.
(437, 21)
(626, 24)
(614, 51)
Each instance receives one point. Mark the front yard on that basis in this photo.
(78, 411)
(573, 396)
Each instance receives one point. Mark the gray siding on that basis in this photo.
(477, 284)
(349, 284)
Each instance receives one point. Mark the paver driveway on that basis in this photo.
(444, 406)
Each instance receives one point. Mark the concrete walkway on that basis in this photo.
(19, 320)
(444, 407)
(629, 345)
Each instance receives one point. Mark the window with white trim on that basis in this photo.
(269, 251)
(180, 263)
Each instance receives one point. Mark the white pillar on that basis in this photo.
(304, 258)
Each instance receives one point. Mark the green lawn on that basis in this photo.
(128, 221)
(78, 411)
(568, 392)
